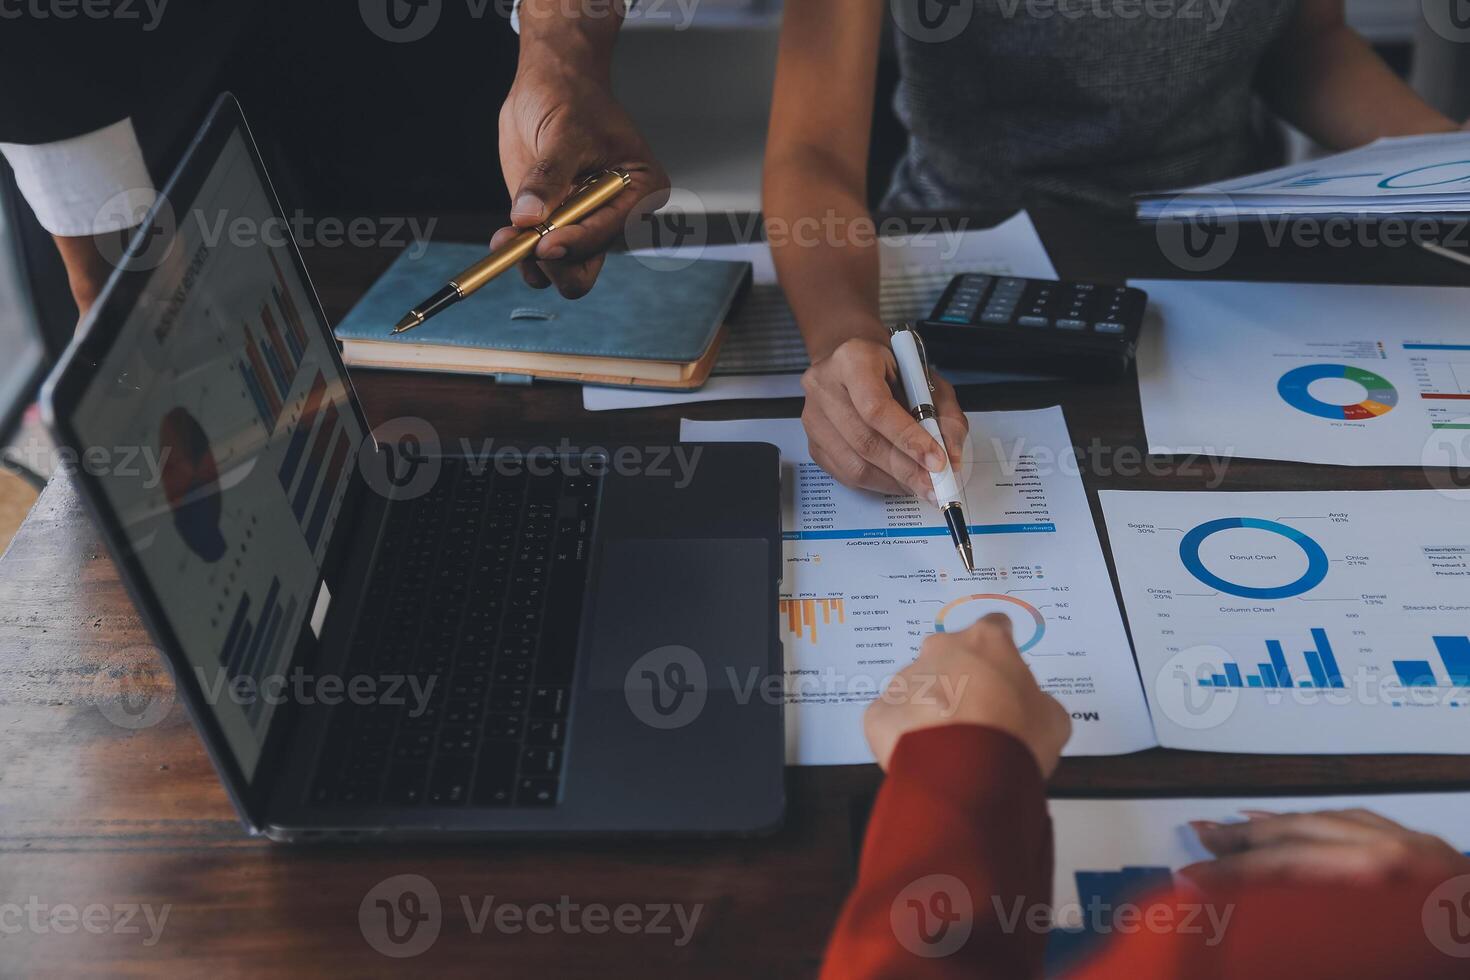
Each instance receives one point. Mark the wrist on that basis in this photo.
(568, 40)
(829, 333)
(971, 764)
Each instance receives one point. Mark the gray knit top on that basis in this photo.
(1074, 101)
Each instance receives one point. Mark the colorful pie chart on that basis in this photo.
(1294, 388)
(191, 484)
(966, 611)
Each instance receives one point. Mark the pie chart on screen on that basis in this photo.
(191, 484)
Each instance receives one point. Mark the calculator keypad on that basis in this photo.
(1034, 304)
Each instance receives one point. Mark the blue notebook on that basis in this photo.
(649, 322)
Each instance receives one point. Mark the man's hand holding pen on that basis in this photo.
(559, 124)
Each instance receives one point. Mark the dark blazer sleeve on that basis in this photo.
(67, 78)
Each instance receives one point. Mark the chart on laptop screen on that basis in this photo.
(221, 386)
(1299, 622)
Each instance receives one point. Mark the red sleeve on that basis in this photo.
(958, 855)
(959, 843)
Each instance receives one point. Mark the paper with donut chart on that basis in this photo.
(1299, 622)
(1346, 375)
(868, 578)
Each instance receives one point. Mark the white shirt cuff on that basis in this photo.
(86, 185)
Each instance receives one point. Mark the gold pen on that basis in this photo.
(590, 195)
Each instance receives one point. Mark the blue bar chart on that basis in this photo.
(1322, 668)
(1454, 656)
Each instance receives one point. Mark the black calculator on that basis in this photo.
(1035, 326)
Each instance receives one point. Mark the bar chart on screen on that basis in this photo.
(1299, 622)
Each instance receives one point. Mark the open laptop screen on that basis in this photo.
(221, 390)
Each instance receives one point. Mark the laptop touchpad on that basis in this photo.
(712, 597)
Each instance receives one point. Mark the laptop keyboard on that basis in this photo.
(477, 590)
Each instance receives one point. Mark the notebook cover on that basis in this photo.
(644, 309)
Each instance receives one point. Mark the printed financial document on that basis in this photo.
(1347, 375)
(1299, 622)
(868, 578)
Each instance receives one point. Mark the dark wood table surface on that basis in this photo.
(93, 813)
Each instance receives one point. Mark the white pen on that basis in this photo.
(918, 388)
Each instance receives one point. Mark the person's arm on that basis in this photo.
(82, 190)
(560, 123)
(1323, 78)
(826, 251)
(959, 843)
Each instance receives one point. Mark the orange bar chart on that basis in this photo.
(802, 614)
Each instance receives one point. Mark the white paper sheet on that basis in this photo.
(1398, 175)
(869, 577)
(1315, 622)
(763, 335)
(1349, 375)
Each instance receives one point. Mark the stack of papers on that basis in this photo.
(1402, 175)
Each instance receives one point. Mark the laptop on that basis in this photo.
(377, 637)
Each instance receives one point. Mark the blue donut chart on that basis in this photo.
(1310, 579)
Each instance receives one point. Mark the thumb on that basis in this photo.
(545, 184)
(1001, 622)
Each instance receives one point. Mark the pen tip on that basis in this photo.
(968, 557)
(408, 323)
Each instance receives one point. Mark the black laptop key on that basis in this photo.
(406, 784)
(516, 673)
(505, 725)
(449, 783)
(545, 731)
(418, 745)
(458, 741)
(495, 774)
(509, 699)
(540, 761)
(466, 712)
(549, 702)
(537, 792)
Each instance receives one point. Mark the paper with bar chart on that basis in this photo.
(1112, 853)
(1350, 375)
(868, 578)
(1317, 622)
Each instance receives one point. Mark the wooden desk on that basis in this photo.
(92, 812)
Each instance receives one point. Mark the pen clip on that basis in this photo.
(923, 353)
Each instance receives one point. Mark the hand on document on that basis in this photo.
(974, 677)
(1344, 847)
(860, 433)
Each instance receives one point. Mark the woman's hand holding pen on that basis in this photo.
(859, 431)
